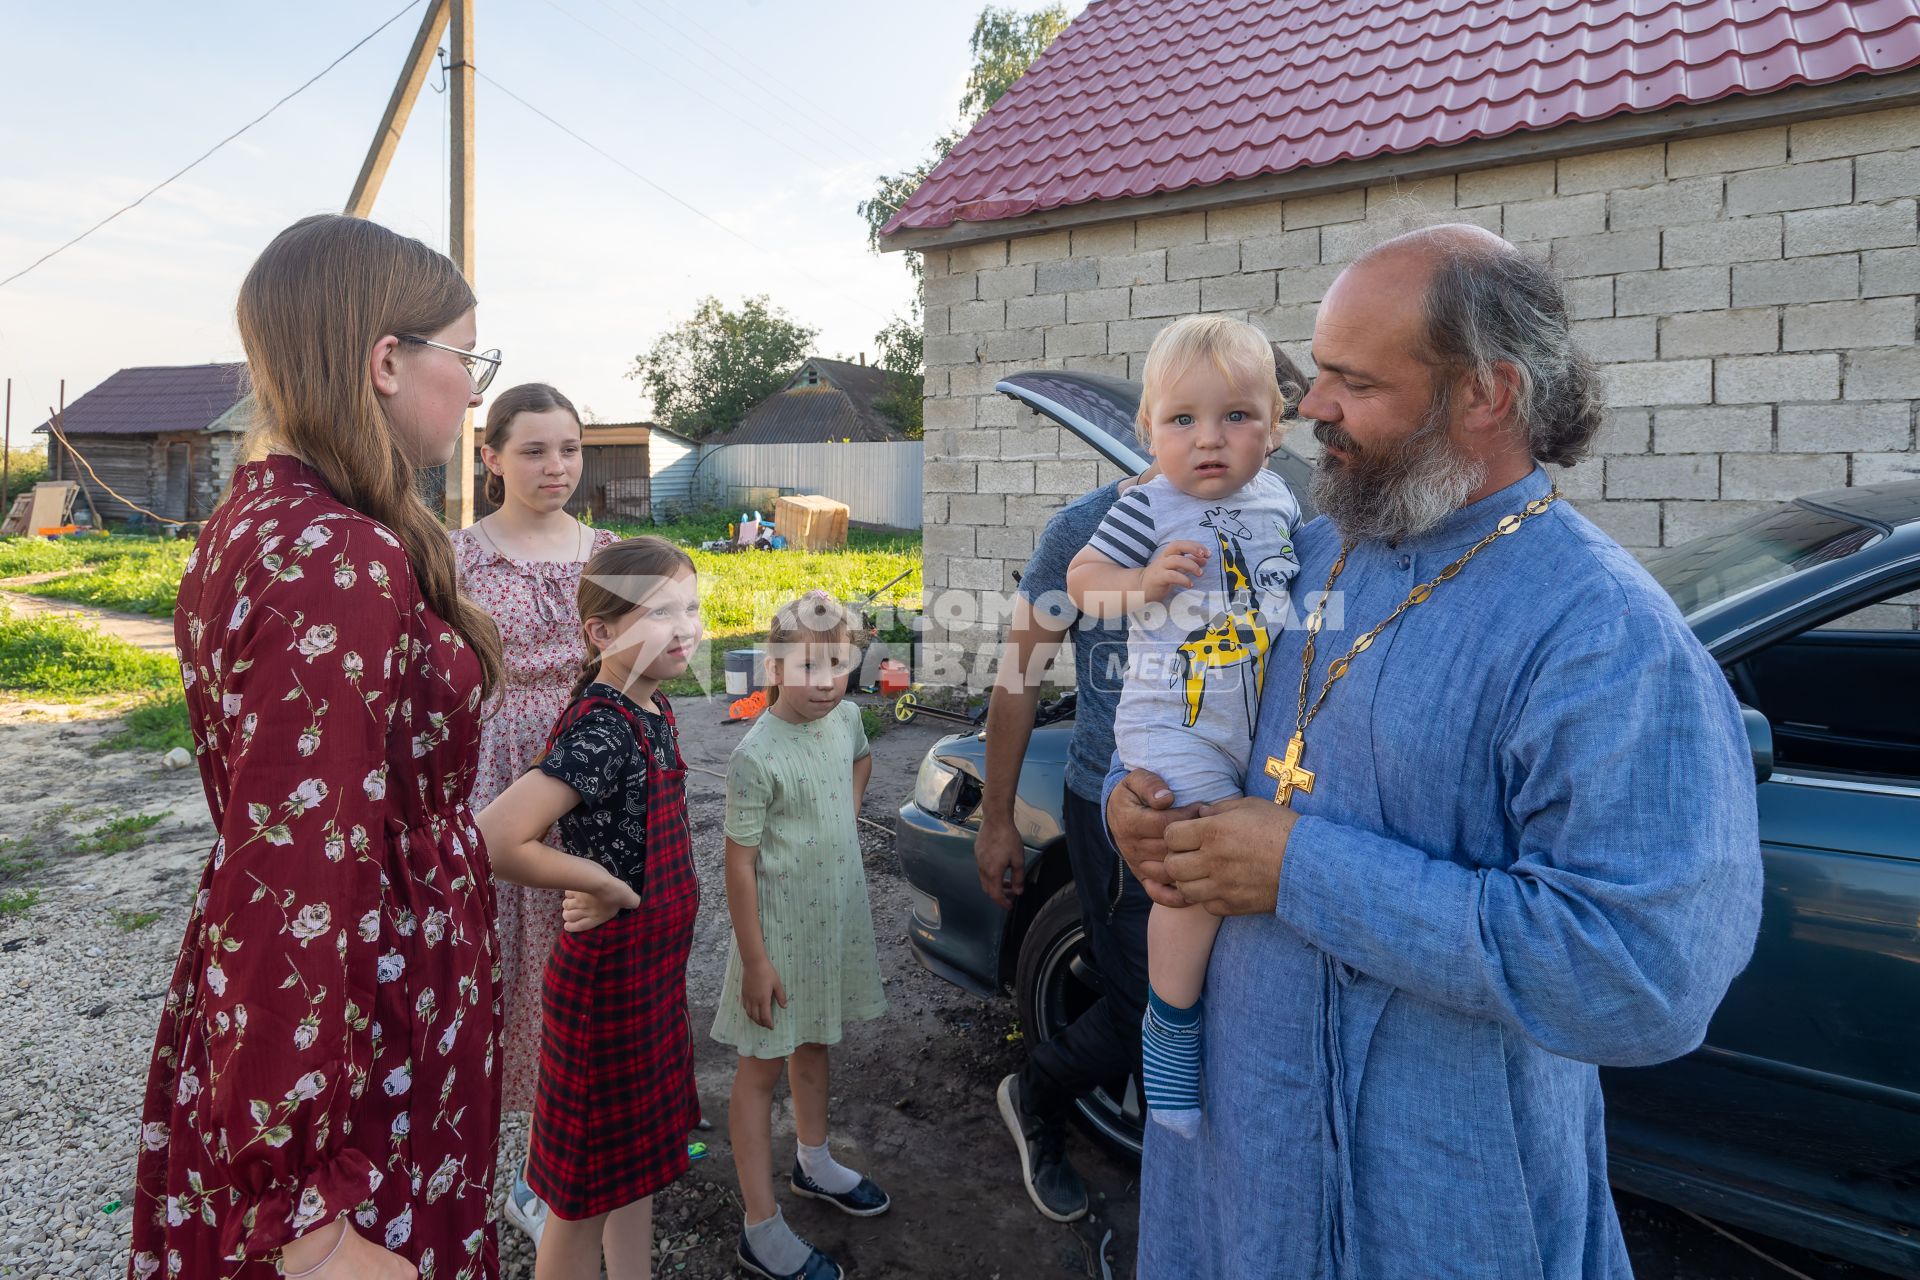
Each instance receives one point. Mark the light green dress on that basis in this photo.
(790, 792)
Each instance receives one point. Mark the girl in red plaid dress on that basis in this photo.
(616, 1093)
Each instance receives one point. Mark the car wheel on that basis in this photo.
(1054, 982)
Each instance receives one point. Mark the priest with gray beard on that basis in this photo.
(1499, 826)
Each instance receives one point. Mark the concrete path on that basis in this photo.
(155, 635)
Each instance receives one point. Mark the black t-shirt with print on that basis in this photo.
(600, 757)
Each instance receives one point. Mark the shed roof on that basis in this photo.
(839, 407)
(151, 399)
(1143, 97)
(607, 433)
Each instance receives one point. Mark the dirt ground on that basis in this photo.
(912, 1094)
(912, 1099)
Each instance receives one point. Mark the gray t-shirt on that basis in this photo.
(1096, 645)
(1195, 664)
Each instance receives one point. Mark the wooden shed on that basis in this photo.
(163, 437)
(616, 482)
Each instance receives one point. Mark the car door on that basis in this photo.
(1802, 1110)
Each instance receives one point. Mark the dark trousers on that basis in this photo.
(1103, 1043)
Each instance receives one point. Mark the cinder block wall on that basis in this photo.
(1752, 296)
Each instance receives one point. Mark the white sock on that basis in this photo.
(827, 1173)
(774, 1243)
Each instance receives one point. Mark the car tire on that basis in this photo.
(1052, 984)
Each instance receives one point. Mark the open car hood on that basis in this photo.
(1100, 410)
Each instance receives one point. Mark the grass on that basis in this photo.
(156, 723)
(119, 835)
(42, 555)
(62, 658)
(133, 575)
(706, 526)
(15, 902)
(740, 590)
(19, 857)
(133, 921)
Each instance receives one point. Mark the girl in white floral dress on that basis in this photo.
(522, 565)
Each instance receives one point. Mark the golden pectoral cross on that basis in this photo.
(1288, 773)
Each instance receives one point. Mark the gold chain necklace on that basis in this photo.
(1286, 769)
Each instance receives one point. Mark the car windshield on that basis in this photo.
(1714, 570)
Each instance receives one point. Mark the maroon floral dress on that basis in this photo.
(328, 1044)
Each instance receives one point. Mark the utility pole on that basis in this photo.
(440, 15)
(373, 170)
(459, 487)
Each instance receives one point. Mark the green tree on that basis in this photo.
(704, 374)
(26, 468)
(900, 345)
(1005, 43)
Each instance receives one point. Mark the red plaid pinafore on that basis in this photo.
(616, 1097)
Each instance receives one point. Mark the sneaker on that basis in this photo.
(1052, 1184)
(526, 1210)
(817, 1267)
(864, 1201)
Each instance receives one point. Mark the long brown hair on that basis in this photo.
(612, 582)
(528, 397)
(316, 301)
(815, 618)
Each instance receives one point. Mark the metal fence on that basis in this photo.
(879, 482)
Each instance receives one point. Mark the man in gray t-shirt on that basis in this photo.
(1103, 1044)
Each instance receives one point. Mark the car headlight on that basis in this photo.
(937, 786)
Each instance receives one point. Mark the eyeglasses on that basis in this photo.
(481, 365)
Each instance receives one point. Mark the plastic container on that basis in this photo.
(745, 671)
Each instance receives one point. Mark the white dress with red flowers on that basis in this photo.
(535, 603)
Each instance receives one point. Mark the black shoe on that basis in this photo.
(1052, 1184)
(817, 1267)
(864, 1201)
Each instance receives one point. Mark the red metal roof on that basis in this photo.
(153, 398)
(1138, 97)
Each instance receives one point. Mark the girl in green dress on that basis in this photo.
(802, 962)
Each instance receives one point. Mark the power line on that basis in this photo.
(694, 90)
(745, 78)
(759, 80)
(210, 150)
(698, 212)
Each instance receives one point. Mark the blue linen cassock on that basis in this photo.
(1531, 847)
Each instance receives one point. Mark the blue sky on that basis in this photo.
(771, 116)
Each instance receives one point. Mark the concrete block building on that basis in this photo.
(1728, 188)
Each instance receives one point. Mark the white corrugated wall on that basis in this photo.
(670, 463)
(879, 482)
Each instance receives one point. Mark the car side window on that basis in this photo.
(1897, 613)
(1843, 697)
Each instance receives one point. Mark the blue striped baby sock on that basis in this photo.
(1170, 1064)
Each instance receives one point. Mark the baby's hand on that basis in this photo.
(1174, 567)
